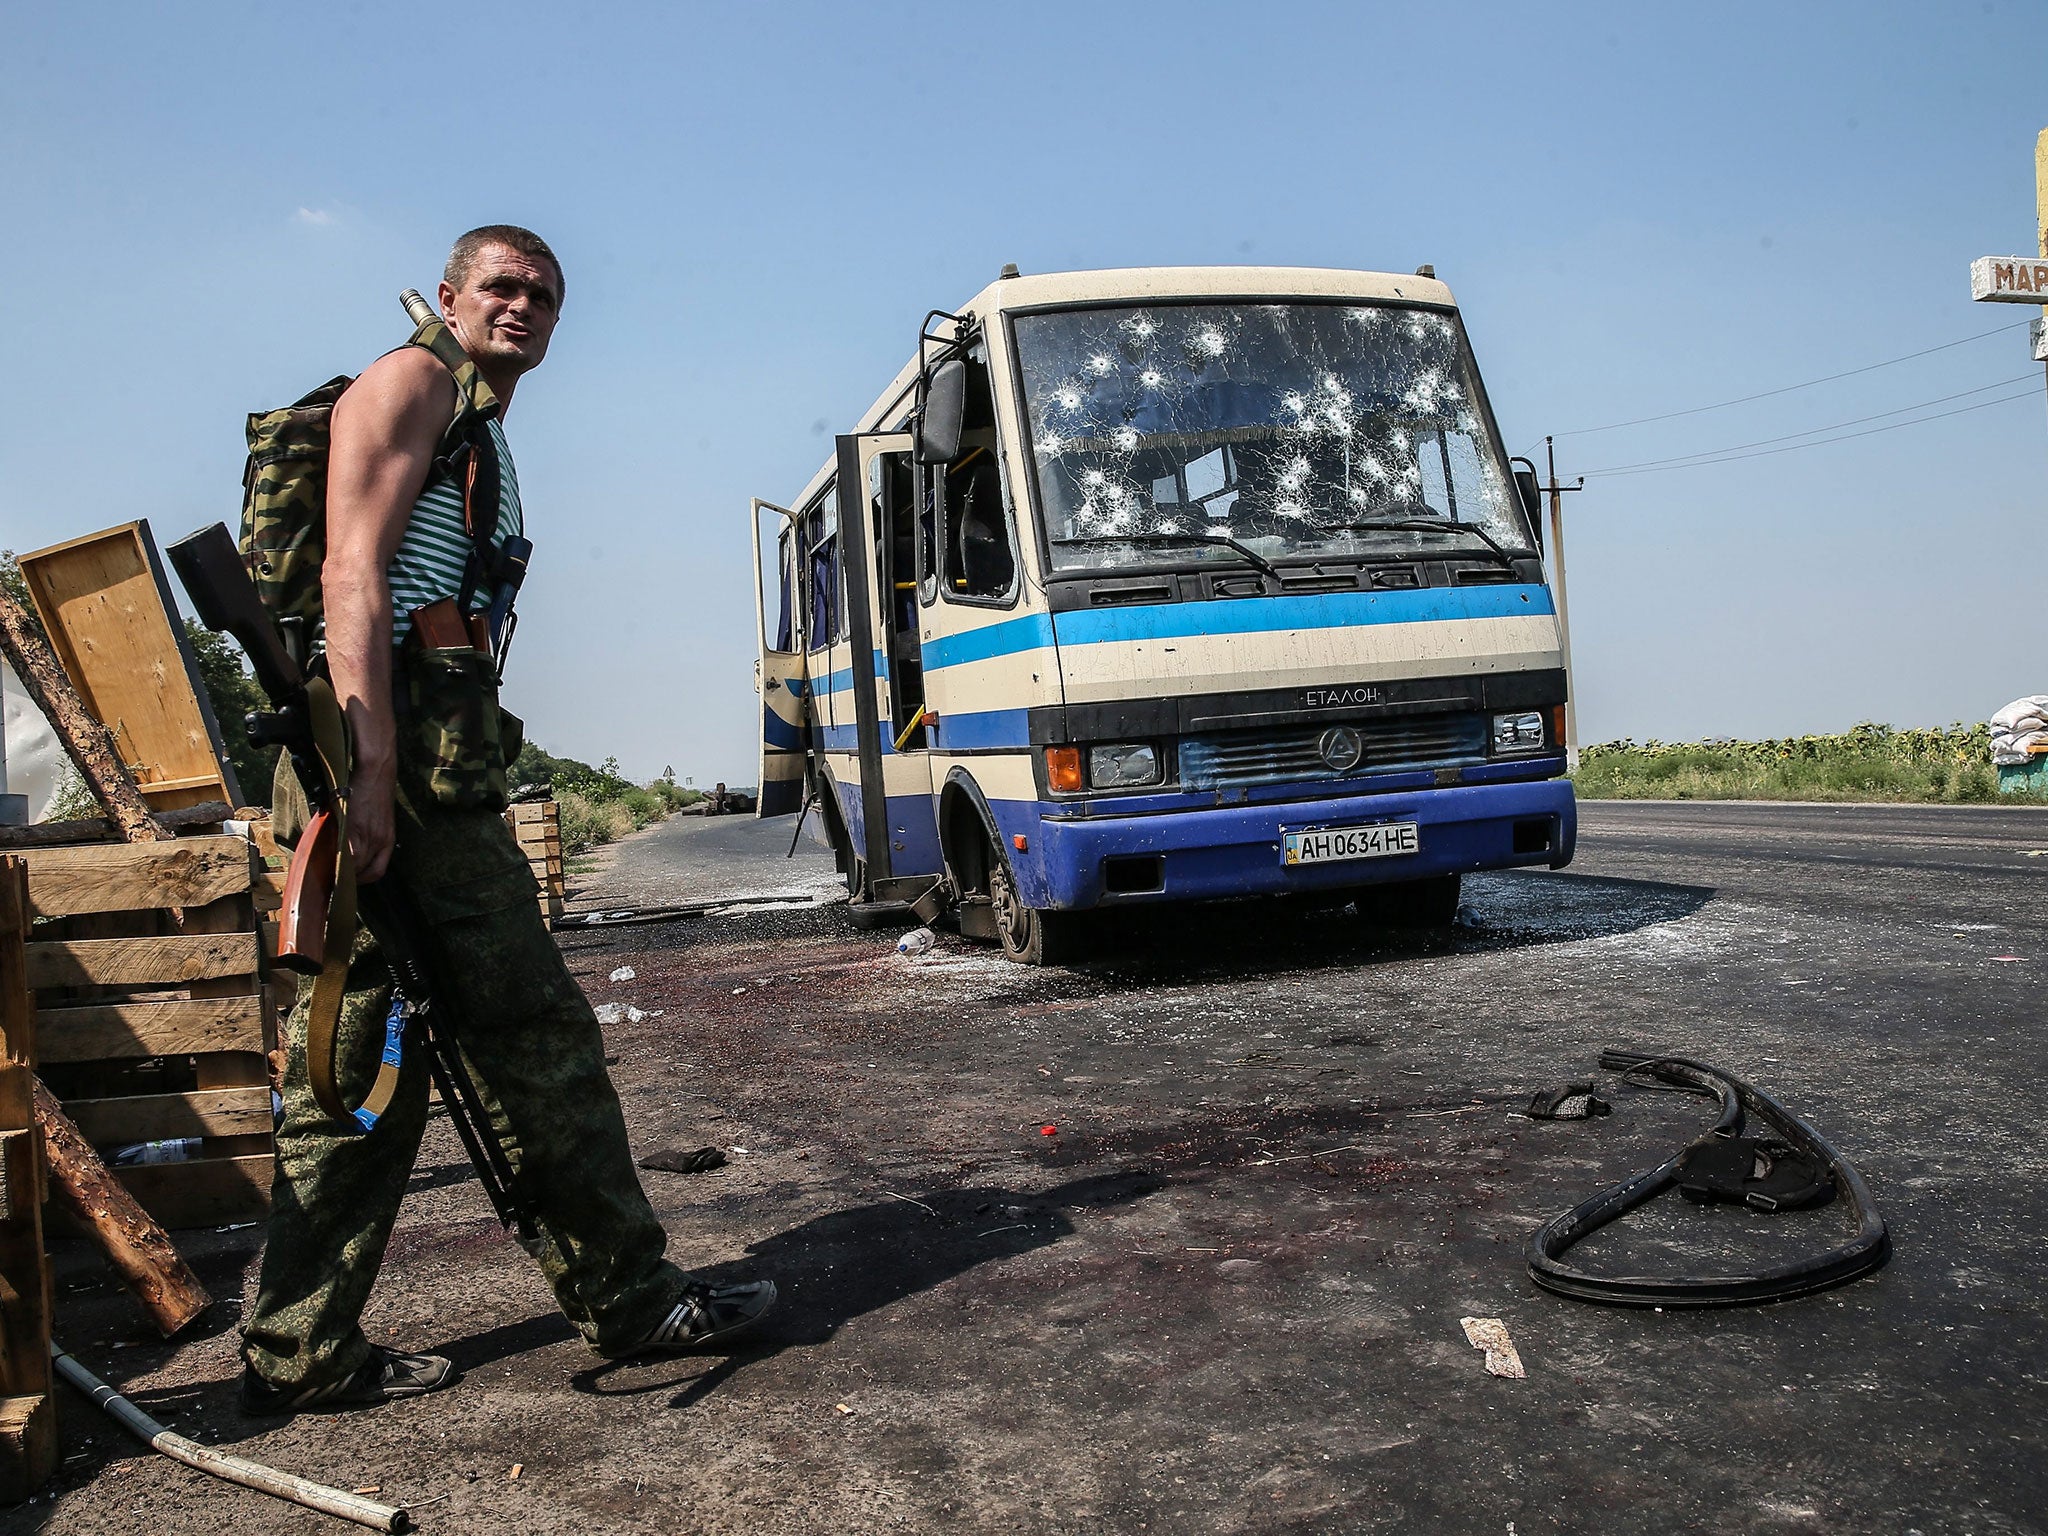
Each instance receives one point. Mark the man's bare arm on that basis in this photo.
(385, 430)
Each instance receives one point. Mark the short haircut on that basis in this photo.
(463, 256)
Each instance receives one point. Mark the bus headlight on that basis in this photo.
(1518, 733)
(1124, 766)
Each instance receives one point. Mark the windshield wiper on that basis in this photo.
(1428, 525)
(1252, 556)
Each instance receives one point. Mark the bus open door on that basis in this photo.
(779, 675)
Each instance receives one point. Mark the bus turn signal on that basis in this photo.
(1063, 769)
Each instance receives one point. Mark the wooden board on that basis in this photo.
(161, 959)
(28, 1444)
(124, 1031)
(114, 625)
(28, 1419)
(118, 984)
(17, 1012)
(119, 877)
(163, 1116)
(537, 828)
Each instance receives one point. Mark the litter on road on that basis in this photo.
(1567, 1101)
(623, 973)
(1789, 1169)
(1491, 1335)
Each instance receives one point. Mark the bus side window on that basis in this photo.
(977, 532)
(786, 605)
(824, 579)
(928, 535)
(980, 562)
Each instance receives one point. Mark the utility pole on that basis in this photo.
(2041, 221)
(1564, 623)
(2022, 279)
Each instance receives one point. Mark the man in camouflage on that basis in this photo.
(526, 1031)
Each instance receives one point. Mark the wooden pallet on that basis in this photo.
(538, 826)
(28, 1411)
(152, 1019)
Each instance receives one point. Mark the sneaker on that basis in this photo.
(387, 1375)
(709, 1314)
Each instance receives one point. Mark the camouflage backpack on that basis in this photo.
(284, 485)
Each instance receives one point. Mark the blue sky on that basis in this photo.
(211, 208)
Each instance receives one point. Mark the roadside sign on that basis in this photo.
(2010, 279)
(2038, 333)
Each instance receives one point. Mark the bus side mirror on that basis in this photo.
(935, 437)
(1531, 492)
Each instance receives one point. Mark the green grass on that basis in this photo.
(599, 805)
(1871, 762)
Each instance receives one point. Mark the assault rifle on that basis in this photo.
(316, 922)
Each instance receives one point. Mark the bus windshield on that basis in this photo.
(1292, 431)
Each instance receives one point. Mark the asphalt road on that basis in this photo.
(1181, 1240)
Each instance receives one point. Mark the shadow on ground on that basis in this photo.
(848, 1263)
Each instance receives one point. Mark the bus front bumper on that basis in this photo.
(1223, 851)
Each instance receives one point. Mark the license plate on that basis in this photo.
(1331, 844)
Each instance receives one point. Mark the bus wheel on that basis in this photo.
(1029, 935)
(1431, 903)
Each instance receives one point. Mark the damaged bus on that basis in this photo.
(1167, 585)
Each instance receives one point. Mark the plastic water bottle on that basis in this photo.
(915, 942)
(176, 1150)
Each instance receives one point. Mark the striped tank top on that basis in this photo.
(430, 559)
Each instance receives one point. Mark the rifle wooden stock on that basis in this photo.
(308, 890)
(211, 567)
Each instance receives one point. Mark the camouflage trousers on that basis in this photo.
(534, 1049)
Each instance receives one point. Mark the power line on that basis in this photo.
(1721, 405)
(2025, 394)
(1856, 421)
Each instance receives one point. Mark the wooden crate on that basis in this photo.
(28, 1411)
(538, 826)
(267, 895)
(113, 623)
(152, 1021)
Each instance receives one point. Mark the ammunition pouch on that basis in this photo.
(456, 744)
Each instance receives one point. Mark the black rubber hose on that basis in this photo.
(1861, 1254)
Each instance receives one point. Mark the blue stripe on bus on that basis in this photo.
(842, 680)
(983, 728)
(1227, 616)
(1031, 632)
(778, 732)
(959, 732)
(1330, 610)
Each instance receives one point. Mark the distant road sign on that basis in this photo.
(2038, 332)
(2010, 279)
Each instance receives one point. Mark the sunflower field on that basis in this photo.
(1869, 762)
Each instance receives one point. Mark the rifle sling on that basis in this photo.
(330, 987)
